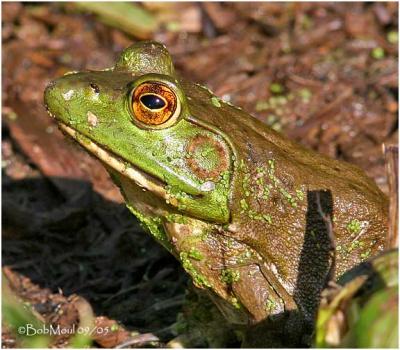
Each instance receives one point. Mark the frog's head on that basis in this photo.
(136, 118)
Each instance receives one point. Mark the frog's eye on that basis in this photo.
(154, 104)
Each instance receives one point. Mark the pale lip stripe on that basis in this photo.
(140, 178)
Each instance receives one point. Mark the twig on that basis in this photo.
(319, 117)
(141, 339)
(391, 154)
(304, 81)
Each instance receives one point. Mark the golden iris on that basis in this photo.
(153, 103)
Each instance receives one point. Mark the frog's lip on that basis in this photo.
(139, 177)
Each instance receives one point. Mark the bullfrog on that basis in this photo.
(259, 222)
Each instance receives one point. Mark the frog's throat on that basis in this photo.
(141, 179)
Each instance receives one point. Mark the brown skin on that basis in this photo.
(296, 254)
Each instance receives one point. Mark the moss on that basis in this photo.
(195, 254)
(300, 194)
(193, 239)
(262, 106)
(246, 178)
(205, 88)
(305, 95)
(246, 185)
(207, 155)
(378, 53)
(306, 22)
(288, 196)
(282, 100)
(270, 305)
(254, 215)
(260, 170)
(264, 190)
(354, 245)
(272, 119)
(235, 303)
(224, 179)
(154, 225)
(277, 127)
(230, 243)
(177, 194)
(354, 226)
(176, 218)
(271, 163)
(276, 88)
(230, 276)
(215, 102)
(267, 191)
(392, 37)
(243, 204)
(267, 218)
(242, 165)
(244, 256)
(366, 254)
(271, 174)
(198, 279)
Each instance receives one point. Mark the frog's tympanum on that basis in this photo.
(255, 219)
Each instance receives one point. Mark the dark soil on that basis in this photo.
(325, 74)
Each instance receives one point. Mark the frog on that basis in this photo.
(258, 221)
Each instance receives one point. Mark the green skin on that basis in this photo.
(243, 210)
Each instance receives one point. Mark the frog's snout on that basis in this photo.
(47, 91)
(50, 85)
(58, 96)
(49, 97)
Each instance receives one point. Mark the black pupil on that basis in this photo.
(152, 101)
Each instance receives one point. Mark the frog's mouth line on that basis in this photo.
(140, 178)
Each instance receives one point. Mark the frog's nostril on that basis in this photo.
(95, 88)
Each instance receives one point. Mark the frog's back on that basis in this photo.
(285, 197)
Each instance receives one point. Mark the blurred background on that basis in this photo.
(324, 74)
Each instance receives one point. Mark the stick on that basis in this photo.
(391, 154)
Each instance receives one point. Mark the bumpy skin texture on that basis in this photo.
(240, 205)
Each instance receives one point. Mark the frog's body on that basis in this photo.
(244, 209)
